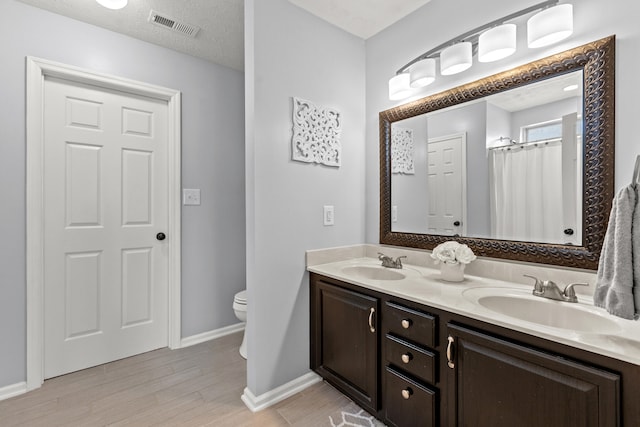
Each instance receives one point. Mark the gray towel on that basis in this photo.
(618, 278)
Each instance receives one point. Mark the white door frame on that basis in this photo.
(37, 70)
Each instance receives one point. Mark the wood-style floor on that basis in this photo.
(194, 386)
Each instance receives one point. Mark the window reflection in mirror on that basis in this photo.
(507, 166)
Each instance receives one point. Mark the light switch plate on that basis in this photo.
(191, 196)
(328, 215)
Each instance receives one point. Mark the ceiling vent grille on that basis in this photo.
(173, 25)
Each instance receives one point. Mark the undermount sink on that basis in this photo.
(372, 272)
(520, 304)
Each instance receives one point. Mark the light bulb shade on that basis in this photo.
(456, 58)
(497, 43)
(550, 26)
(422, 73)
(113, 4)
(399, 86)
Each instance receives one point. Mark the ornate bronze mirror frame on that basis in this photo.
(597, 61)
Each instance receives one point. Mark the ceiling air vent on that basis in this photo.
(173, 25)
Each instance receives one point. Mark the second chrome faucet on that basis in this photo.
(548, 289)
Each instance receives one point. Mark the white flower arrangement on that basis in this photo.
(452, 253)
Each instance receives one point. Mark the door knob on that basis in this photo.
(161, 236)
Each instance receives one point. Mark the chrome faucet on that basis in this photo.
(548, 289)
(389, 262)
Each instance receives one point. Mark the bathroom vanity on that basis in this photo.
(414, 350)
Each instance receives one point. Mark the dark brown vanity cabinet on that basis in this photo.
(345, 340)
(494, 382)
(413, 365)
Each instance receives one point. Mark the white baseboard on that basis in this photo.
(13, 390)
(258, 403)
(211, 335)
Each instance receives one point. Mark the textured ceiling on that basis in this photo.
(221, 38)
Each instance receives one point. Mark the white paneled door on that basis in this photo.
(105, 209)
(446, 159)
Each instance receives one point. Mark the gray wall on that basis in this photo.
(544, 113)
(409, 192)
(430, 26)
(289, 52)
(213, 160)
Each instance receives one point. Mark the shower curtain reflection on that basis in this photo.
(526, 193)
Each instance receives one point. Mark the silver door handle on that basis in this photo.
(372, 327)
(450, 352)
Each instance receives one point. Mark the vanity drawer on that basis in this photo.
(411, 358)
(410, 324)
(408, 403)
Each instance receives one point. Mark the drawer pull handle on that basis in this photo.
(372, 327)
(406, 358)
(449, 352)
(406, 393)
(406, 323)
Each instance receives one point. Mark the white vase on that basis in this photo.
(452, 272)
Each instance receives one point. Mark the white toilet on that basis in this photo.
(240, 308)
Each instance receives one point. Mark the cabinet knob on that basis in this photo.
(406, 358)
(406, 323)
(406, 393)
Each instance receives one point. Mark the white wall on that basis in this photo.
(213, 154)
(289, 52)
(441, 20)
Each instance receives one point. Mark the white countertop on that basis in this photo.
(618, 339)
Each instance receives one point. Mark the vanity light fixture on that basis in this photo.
(456, 58)
(422, 73)
(113, 4)
(497, 43)
(399, 86)
(493, 41)
(550, 26)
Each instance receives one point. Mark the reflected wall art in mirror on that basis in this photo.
(518, 165)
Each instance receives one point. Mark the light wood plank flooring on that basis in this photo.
(195, 386)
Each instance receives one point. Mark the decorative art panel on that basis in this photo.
(316, 133)
(402, 150)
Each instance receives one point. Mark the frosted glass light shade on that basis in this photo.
(550, 26)
(456, 58)
(113, 4)
(497, 43)
(399, 86)
(422, 73)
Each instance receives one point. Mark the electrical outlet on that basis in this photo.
(191, 196)
(328, 215)
(394, 213)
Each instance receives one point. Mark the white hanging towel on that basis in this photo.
(618, 277)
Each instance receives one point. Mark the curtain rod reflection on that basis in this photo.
(515, 144)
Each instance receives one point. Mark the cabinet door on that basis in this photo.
(498, 383)
(345, 341)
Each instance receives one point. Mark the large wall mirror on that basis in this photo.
(518, 165)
